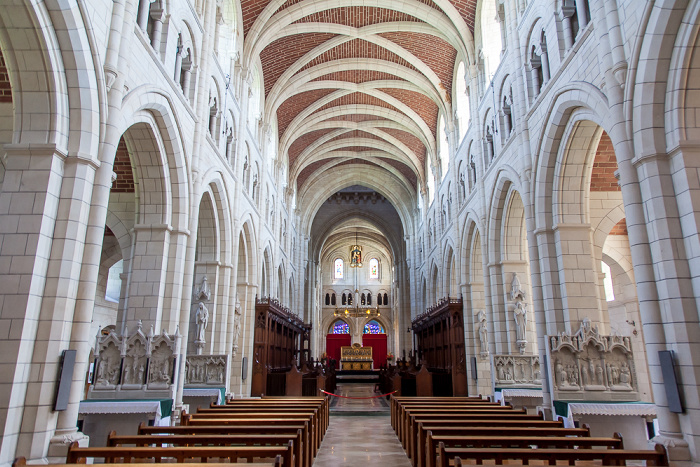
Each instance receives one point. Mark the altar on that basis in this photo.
(355, 357)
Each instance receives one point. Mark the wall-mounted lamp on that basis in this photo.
(633, 324)
(408, 330)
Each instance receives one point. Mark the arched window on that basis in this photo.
(491, 37)
(328, 299)
(386, 299)
(332, 299)
(443, 148)
(349, 299)
(369, 299)
(338, 268)
(374, 268)
(463, 112)
(363, 300)
(340, 327)
(344, 299)
(114, 282)
(373, 327)
(607, 282)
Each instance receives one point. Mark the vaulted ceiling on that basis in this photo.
(358, 84)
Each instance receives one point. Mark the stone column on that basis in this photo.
(29, 205)
(157, 30)
(142, 18)
(577, 274)
(565, 14)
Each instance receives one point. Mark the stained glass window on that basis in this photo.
(338, 268)
(340, 327)
(373, 327)
(374, 268)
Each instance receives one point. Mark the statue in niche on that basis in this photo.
(483, 333)
(625, 376)
(520, 315)
(202, 320)
(236, 324)
(203, 292)
(585, 381)
(516, 289)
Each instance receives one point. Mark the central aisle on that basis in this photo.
(359, 432)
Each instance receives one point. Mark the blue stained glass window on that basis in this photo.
(373, 327)
(340, 327)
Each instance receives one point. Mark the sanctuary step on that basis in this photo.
(357, 376)
(358, 399)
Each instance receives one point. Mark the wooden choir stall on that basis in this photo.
(439, 343)
(280, 337)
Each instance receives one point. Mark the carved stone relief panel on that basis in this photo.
(517, 370)
(135, 362)
(109, 364)
(590, 366)
(205, 370)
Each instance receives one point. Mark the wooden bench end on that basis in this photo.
(20, 461)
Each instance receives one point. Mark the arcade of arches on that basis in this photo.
(166, 162)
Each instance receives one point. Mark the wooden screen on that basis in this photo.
(439, 334)
(277, 340)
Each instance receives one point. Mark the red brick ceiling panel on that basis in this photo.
(122, 167)
(620, 228)
(277, 57)
(358, 48)
(5, 86)
(420, 103)
(357, 134)
(467, 8)
(355, 118)
(303, 141)
(404, 169)
(358, 98)
(439, 55)
(409, 140)
(358, 148)
(250, 9)
(604, 167)
(310, 169)
(295, 104)
(358, 76)
(357, 16)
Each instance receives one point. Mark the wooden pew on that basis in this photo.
(318, 417)
(22, 462)
(413, 441)
(419, 448)
(395, 401)
(406, 413)
(197, 430)
(508, 441)
(447, 456)
(314, 402)
(254, 439)
(408, 430)
(276, 418)
(78, 455)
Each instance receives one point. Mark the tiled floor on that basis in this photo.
(363, 439)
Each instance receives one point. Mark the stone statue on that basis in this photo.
(520, 315)
(203, 292)
(483, 333)
(202, 320)
(236, 324)
(516, 289)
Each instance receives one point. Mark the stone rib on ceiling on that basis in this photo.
(358, 84)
